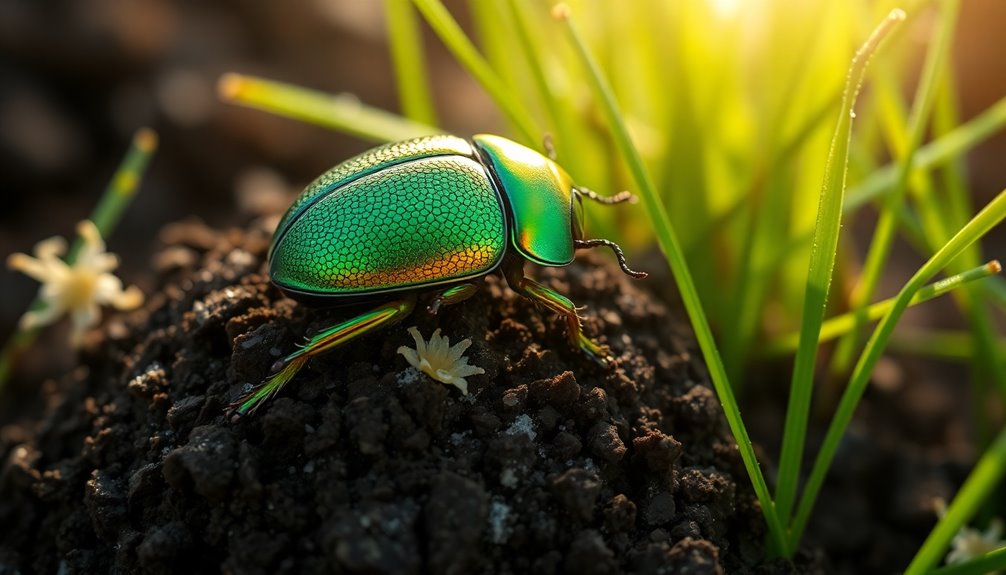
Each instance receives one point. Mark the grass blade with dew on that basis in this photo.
(977, 227)
(981, 483)
(679, 268)
(467, 55)
(822, 261)
(841, 324)
(886, 228)
(405, 41)
(105, 216)
(344, 113)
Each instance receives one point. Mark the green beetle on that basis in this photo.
(433, 213)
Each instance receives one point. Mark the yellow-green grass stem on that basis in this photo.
(949, 345)
(842, 324)
(468, 56)
(980, 484)
(106, 215)
(344, 113)
(679, 268)
(405, 40)
(822, 262)
(974, 230)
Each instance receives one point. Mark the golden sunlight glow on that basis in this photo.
(725, 8)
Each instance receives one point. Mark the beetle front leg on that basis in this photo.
(451, 296)
(560, 304)
(285, 369)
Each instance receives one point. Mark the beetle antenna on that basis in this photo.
(618, 198)
(586, 244)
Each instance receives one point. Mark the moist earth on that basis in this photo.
(552, 464)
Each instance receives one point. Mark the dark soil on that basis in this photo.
(362, 465)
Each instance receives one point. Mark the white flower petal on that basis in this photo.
(45, 316)
(131, 298)
(83, 318)
(50, 249)
(93, 247)
(31, 267)
(410, 356)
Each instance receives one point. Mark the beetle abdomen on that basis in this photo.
(423, 222)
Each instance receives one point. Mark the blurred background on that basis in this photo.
(78, 77)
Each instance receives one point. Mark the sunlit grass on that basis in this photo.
(721, 115)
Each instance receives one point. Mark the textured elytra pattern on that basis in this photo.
(422, 222)
(371, 161)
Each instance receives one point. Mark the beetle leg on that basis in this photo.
(451, 296)
(285, 369)
(562, 305)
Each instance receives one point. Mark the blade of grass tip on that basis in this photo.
(935, 153)
(405, 41)
(343, 112)
(841, 324)
(440, 19)
(979, 225)
(679, 268)
(884, 233)
(991, 562)
(981, 483)
(822, 262)
(106, 215)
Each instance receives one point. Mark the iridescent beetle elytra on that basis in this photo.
(429, 214)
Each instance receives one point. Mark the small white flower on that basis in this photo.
(970, 543)
(439, 360)
(78, 290)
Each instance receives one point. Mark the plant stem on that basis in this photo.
(979, 225)
(679, 267)
(105, 216)
(343, 112)
(822, 261)
(841, 324)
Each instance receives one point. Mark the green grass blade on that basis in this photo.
(991, 562)
(842, 324)
(952, 145)
(822, 261)
(979, 225)
(679, 268)
(106, 215)
(980, 484)
(468, 56)
(405, 41)
(884, 233)
(343, 113)
(531, 54)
